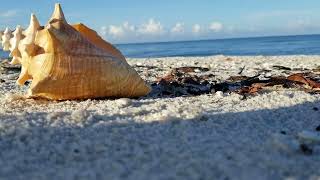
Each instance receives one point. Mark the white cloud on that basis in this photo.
(216, 27)
(104, 30)
(152, 27)
(116, 31)
(126, 25)
(178, 28)
(9, 13)
(153, 30)
(196, 28)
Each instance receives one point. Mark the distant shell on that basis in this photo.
(14, 44)
(1, 34)
(66, 62)
(6, 39)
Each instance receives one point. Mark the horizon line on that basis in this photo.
(216, 39)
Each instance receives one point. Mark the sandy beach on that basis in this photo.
(219, 135)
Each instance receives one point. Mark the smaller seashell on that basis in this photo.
(14, 44)
(22, 39)
(6, 39)
(1, 34)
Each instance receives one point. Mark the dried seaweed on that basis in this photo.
(185, 81)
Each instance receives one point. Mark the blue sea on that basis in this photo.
(277, 45)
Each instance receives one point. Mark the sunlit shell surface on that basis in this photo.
(14, 45)
(6, 39)
(94, 38)
(66, 62)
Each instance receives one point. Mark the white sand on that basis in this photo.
(215, 136)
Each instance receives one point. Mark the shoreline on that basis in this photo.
(222, 135)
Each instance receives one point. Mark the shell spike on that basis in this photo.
(34, 23)
(7, 30)
(18, 30)
(58, 13)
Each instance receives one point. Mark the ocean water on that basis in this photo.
(280, 45)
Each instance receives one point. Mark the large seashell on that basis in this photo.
(65, 64)
(6, 39)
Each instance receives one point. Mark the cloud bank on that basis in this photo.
(9, 13)
(154, 30)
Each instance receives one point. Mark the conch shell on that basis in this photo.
(74, 63)
(1, 33)
(14, 43)
(6, 39)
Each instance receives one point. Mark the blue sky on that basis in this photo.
(123, 21)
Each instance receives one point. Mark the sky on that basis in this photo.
(134, 21)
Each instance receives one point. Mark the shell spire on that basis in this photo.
(33, 26)
(6, 39)
(30, 35)
(58, 13)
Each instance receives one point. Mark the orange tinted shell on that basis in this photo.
(95, 39)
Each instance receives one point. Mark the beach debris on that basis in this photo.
(228, 59)
(301, 78)
(67, 63)
(283, 132)
(306, 149)
(316, 70)
(290, 145)
(138, 65)
(190, 69)
(220, 94)
(182, 81)
(281, 68)
(309, 137)
(241, 70)
(192, 81)
(11, 97)
(81, 115)
(252, 85)
(6, 39)
(284, 143)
